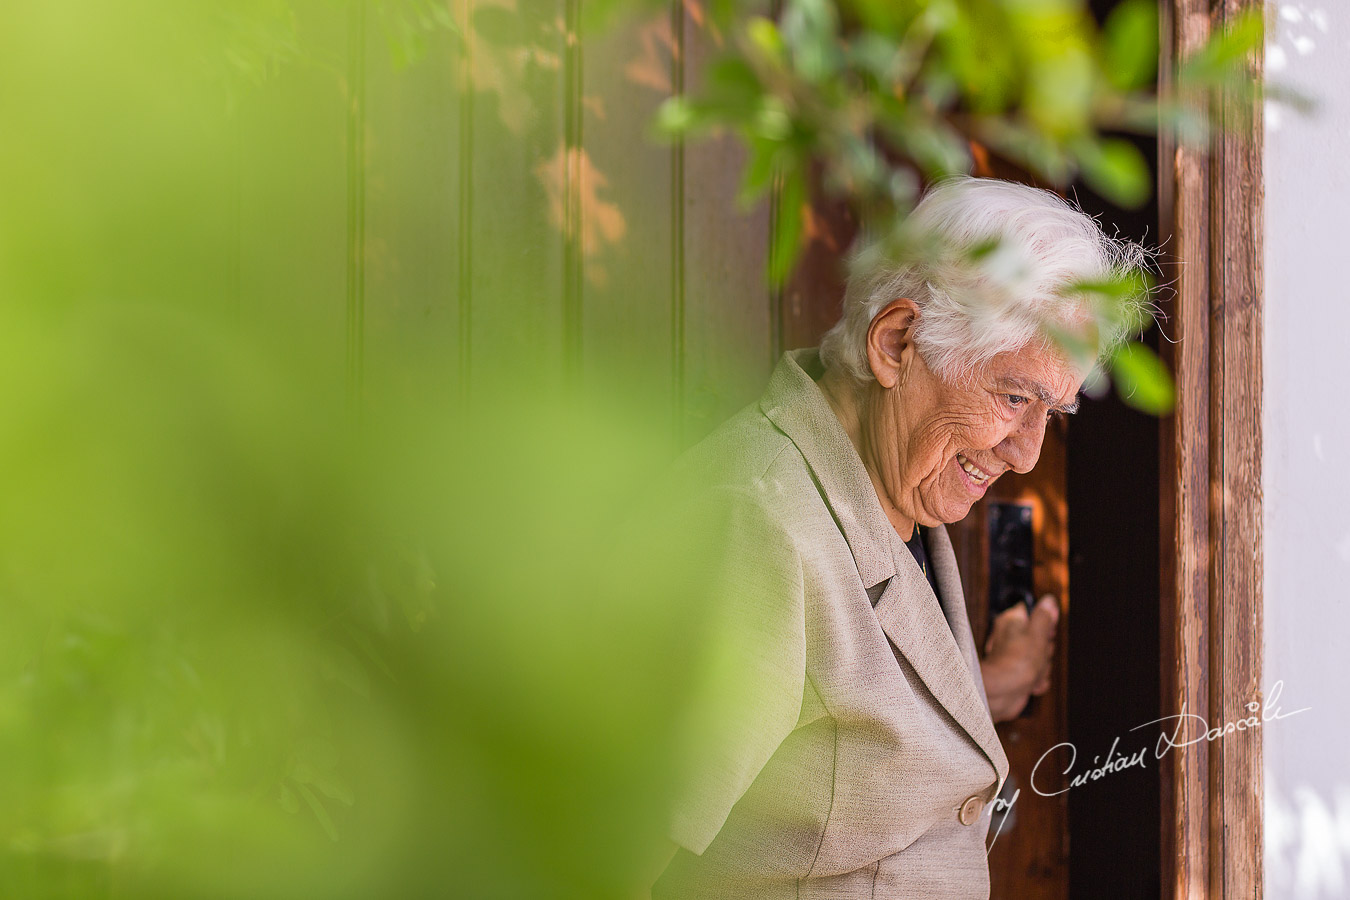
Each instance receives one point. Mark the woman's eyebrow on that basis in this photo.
(1041, 393)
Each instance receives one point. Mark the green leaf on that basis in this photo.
(772, 121)
(676, 116)
(811, 30)
(1117, 170)
(787, 227)
(760, 168)
(981, 249)
(734, 93)
(934, 145)
(1142, 379)
(1224, 56)
(340, 665)
(1026, 145)
(1059, 92)
(1115, 287)
(1187, 123)
(874, 54)
(1079, 347)
(1130, 44)
(316, 807)
(764, 36)
(902, 188)
(883, 16)
(976, 53)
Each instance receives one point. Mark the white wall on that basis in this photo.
(1307, 453)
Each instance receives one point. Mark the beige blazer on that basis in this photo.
(854, 755)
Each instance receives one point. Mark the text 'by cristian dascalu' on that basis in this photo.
(1181, 730)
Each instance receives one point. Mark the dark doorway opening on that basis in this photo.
(1114, 654)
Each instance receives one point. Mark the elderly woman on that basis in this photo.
(856, 755)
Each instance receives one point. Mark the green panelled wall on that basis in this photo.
(477, 186)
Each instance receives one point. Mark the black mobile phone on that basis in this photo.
(1011, 558)
(1011, 564)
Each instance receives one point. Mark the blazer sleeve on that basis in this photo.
(747, 692)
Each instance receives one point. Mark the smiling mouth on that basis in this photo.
(977, 475)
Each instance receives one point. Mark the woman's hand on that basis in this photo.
(1018, 657)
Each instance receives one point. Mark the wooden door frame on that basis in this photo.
(1211, 501)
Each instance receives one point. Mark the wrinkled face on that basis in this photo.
(935, 447)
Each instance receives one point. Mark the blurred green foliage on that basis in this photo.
(883, 96)
(882, 92)
(263, 638)
(254, 651)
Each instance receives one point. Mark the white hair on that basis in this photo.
(992, 266)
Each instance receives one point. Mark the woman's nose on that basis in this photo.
(1022, 447)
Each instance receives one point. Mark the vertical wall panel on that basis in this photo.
(728, 341)
(441, 204)
(812, 298)
(518, 199)
(412, 216)
(292, 203)
(356, 198)
(1212, 606)
(624, 198)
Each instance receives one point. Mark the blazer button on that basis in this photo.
(970, 810)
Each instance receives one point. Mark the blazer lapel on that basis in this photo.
(942, 654)
(953, 598)
(795, 404)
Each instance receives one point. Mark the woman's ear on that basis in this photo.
(890, 343)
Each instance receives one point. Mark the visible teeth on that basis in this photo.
(978, 475)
